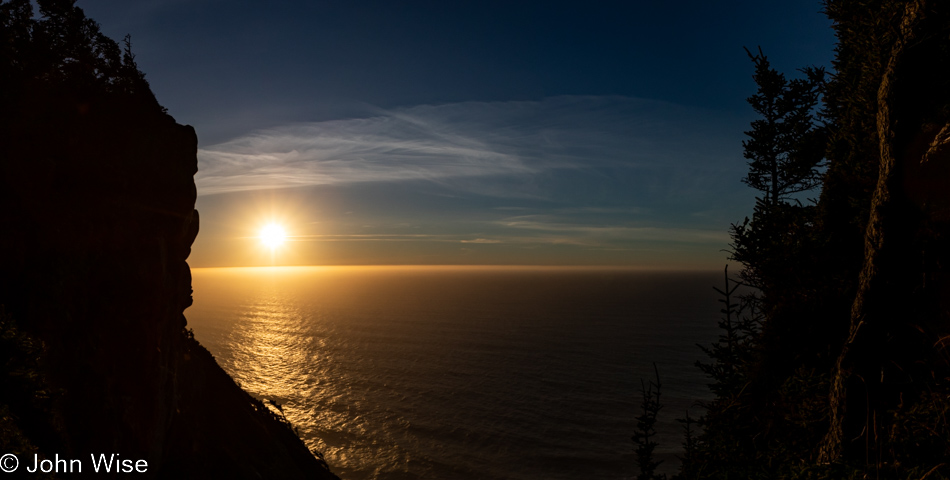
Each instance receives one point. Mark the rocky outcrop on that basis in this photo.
(96, 223)
(894, 358)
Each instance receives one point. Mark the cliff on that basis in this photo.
(840, 367)
(97, 211)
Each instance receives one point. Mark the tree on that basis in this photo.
(785, 150)
(63, 51)
(850, 373)
(785, 147)
(779, 247)
(688, 467)
(644, 435)
(770, 333)
(726, 443)
(734, 352)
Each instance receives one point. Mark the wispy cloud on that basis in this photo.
(577, 177)
(551, 229)
(602, 234)
(388, 147)
(474, 146)
(481, 240)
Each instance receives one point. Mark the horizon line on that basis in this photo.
(480, 266)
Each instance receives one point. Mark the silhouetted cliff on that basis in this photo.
(838, 366)
(96, 220)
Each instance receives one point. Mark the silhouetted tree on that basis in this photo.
(645, 432)
(62, 50)
(726, 444)
(785, 150)
(732, 354)
(770, 332)
(849, 375)
(689, 464)
(785, 146)
(779, 247)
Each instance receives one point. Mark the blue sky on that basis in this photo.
(605, 133)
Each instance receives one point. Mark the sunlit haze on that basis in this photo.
(273, 235)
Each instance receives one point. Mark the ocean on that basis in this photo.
(464, 372)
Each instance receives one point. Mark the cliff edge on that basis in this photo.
(96, 221)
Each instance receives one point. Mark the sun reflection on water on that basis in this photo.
(267, 348)
(276, 348)
(418, 373)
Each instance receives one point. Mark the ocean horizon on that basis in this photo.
(404, 372)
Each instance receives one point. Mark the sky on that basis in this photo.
(458, 133)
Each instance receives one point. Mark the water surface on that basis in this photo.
(463, 373)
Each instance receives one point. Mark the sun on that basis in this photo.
(273, 235)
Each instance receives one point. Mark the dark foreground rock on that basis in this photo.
(96, 221)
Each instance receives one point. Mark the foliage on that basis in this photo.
(733, 354)
(688, 471)
(785, 148)
(724, 441)
(772, 377)
(645, 432)
(781, 247)
(27, 414)
(62, 50)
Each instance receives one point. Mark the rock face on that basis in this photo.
(895, 357)
(96, 221)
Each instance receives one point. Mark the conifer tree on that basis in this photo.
(644, 435)
(778, 247)
(767, 333)
(872, 253)
(785, 146)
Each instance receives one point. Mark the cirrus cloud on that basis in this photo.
(467, 142)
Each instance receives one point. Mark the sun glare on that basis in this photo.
(273, 235)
